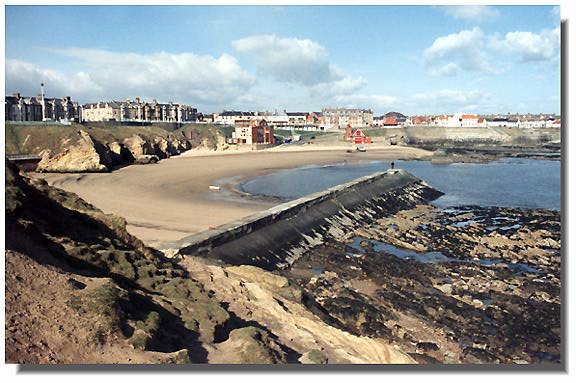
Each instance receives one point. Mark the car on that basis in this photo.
(361, 148)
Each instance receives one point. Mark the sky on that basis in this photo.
(412, 59)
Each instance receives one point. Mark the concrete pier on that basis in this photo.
(275, 238)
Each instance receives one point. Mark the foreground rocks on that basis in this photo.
(467, 285)
(81, 289)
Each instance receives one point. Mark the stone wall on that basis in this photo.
(278, 236)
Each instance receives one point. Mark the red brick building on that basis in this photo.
(255, 132)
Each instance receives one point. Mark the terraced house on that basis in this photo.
(137, 110)
(40, 108)
(339, 118)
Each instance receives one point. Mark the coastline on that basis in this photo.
(167, 201)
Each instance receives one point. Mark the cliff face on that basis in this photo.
(81, 289)
(87, 154)
(102, 147)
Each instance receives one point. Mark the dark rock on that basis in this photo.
(76, 284)
(427, 346)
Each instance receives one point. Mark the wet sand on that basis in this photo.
(170, 200)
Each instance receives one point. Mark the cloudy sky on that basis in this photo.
(411, 59)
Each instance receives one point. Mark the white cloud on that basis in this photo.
(342, 84)
(25, 77)
(528, 46)
(184, 77)
(455, 52)
(449, 69)
(472, 13)
(377, 102)
(450, 100)
(297, 61)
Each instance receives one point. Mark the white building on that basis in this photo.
(457, 120)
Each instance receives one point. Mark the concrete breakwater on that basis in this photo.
(275, 238)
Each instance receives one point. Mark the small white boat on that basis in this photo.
(212, 187)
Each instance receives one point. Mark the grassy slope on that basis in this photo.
(148, 293)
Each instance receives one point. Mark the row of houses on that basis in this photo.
(497, 121)
(138, 110)
(40, 108)
(329, 118)
(462, 120)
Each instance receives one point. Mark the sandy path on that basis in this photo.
(170, 200)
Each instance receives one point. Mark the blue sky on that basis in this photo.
(412, 59)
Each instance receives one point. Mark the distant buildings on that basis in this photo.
(286, 120)
(460, 120)
(138, 110)
(339, 118)
(40, 108)
(253, 132)
(390, 120)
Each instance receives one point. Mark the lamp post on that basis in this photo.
(43, 104)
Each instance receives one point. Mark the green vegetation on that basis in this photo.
(13, 192)
(105, 301)
(256, 346)
(146, 291)
(179, 357)
(139, 339)
(317, 357)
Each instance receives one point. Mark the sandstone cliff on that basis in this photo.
(85, 155)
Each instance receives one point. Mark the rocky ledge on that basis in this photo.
(464, 285)
(86, 154)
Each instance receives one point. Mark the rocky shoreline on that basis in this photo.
(466, 285)
(447, 155)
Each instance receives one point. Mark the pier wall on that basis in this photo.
(275, 238)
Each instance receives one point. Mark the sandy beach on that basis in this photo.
(172, 199)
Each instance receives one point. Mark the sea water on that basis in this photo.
(524, 183)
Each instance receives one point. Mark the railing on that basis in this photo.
(23, 157)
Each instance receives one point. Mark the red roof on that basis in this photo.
(390, 120)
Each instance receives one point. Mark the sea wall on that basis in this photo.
(275, 238)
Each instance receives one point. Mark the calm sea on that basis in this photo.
(506, 183)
